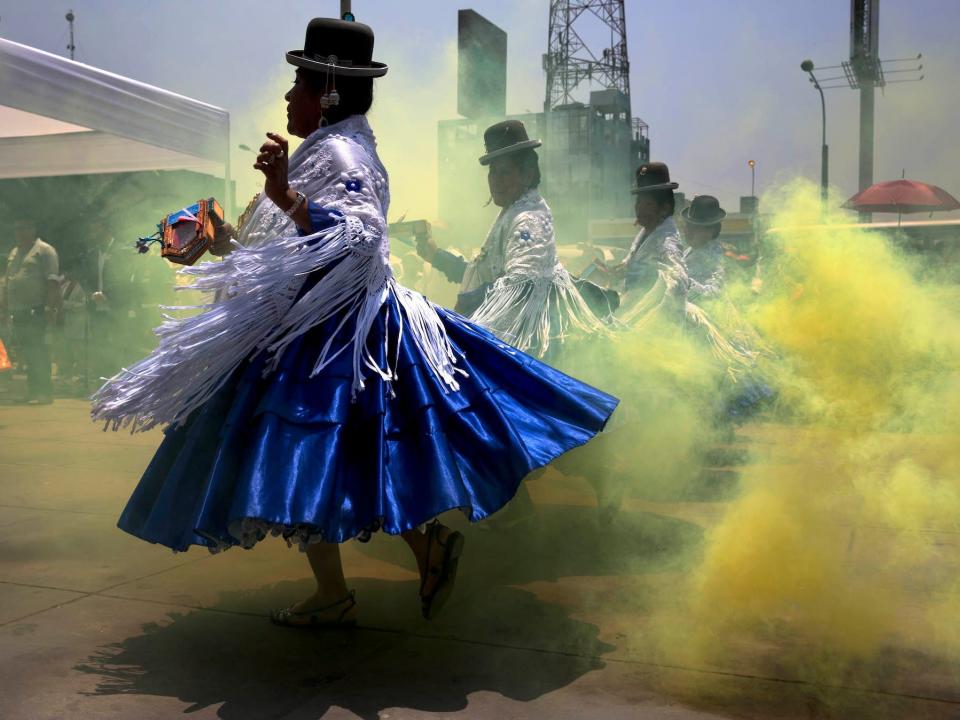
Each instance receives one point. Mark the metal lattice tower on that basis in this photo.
(570, 60)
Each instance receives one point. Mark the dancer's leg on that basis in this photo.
(331, 602)
(437, 552)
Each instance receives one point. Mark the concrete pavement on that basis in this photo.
(97, 624)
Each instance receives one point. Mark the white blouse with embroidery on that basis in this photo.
(532, 299)
(259, 307)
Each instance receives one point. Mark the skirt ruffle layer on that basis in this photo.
(293, 455)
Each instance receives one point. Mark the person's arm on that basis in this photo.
(302, 216)
(619, 274)
(321, 218)
(274, 162)
(469, 302)
(452, 266)
(712, 286)
(672, 267)
(356, 193)
(51, 269)
(54, 299)
(4, 303)
(221, 247)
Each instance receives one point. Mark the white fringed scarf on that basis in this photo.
(534, 301)
(337, 168)
(529, 312)
(668, 297)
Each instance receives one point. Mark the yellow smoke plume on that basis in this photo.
(837, 562)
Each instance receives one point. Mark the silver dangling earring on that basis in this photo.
(330, 98)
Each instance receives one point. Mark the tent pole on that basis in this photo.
(228, 209)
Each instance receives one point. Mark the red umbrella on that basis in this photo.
(903, 196)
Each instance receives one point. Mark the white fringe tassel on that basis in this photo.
(255, 311)
(521, 310)
(668, 295)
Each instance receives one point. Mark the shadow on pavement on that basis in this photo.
(253, 669)
(492, 636)
(561, 541)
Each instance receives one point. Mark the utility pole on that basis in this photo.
(865, 71)
(71, 47)
(864, 66)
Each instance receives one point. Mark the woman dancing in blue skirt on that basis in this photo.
(318, 399)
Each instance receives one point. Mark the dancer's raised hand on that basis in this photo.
(273, 162)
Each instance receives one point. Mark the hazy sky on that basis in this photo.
(718, 81)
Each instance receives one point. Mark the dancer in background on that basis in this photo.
(667, 278)
(702, 253)
(658, 244)
(516, 286)
(743, 391)
(320, 400)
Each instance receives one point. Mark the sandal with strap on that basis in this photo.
(288, 617)
(446, 572)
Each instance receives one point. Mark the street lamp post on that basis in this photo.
(753, 177)
(807, 67)
(71, 47)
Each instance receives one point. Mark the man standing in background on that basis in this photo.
(31, 299)
(105, 275)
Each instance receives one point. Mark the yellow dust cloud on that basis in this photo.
(838, 560)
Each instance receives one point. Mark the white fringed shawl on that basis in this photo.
(337, 168)
(669, 297)
(534, 301)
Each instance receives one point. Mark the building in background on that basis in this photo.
(591, 147)
(481, 66)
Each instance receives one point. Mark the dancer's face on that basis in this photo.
(303, 108)
(648, 211)
(507, 181)
(698, 235)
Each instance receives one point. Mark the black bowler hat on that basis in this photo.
(653, 176)
(703, 210)
(504, 138)
(339, 46)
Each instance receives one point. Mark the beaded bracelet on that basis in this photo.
(301, 199)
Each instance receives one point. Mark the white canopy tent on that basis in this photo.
(60, 117)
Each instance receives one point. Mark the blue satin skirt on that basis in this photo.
(294, 455)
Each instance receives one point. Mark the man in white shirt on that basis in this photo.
(32, 302)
